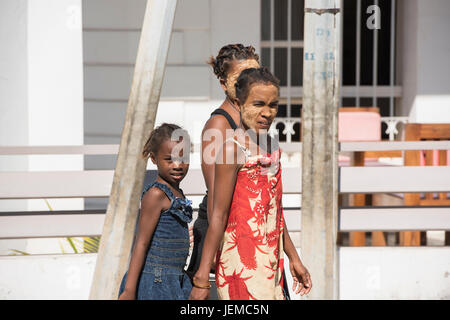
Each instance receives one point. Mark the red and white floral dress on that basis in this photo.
(250, 258)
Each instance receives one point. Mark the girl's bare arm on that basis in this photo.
(152, 204)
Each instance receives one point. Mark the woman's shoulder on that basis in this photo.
(217, 122)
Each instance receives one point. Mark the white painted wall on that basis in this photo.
(55, 87)
(423, 59)
(13, 76)
(366, 273)
(41, 94)
(190, 90)
(55, 96)
(46, 277)
(56, 277)
(13, 97)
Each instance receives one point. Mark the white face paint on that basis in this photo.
(260, 108)
(233, 74)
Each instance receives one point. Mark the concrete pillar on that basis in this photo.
(120, 221)
(320, 145)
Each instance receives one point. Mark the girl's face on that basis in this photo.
(236, 67)
(261, 107)
(171, 162)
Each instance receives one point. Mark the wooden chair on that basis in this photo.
(418, 132)
(362, 124)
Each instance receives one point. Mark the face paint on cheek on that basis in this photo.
(234, 74)
(249, 116)
(255, 113)
(231, 90)
(273, 114)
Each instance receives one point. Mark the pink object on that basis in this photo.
(359, 126)
(422, 158)
(435, 157)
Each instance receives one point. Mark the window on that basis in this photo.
(368, 55)
(282, 52)
(368, 76)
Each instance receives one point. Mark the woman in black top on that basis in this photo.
(228, 65)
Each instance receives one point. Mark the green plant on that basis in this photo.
(18, 252)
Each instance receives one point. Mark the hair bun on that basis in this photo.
(227, 54)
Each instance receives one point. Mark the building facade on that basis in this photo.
(66, 69)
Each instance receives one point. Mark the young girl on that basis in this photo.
(247, 229)
(162, 241)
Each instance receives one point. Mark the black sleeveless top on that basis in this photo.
(226, 115)
(203, 206)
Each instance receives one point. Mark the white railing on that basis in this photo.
(289, 122)
(97, 183)
(392, 123)
(365, 272)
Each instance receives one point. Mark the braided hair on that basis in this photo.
(227, 54)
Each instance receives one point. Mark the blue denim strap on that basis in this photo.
(161, 186)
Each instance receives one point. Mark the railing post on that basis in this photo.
(121, 215)
(320, 145)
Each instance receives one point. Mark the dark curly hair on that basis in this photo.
(159, 135)
(227, 54)
(249, 77)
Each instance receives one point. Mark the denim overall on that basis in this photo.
(163, 276)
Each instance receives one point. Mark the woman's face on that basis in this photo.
(236, 67)
(260, 108)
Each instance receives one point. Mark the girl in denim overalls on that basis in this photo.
(161, 247)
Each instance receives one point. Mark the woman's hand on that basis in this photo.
(302, 280)
(199, 294)
(127, 295)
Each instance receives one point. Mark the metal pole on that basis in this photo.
(120, 221)
(320, 145)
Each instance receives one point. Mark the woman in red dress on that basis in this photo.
(247, 231)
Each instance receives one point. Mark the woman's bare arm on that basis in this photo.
(152, 204)
(301, 278)
(224, 183)
(289, 247)
(213, 138)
